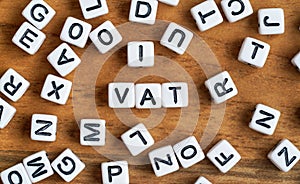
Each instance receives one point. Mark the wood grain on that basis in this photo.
(276, 85)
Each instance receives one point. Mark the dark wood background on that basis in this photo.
(276, 85)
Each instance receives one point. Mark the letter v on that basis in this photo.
(121, 99)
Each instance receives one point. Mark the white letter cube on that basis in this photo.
(296, 61)
(93, 8)
(175, 94)
(143, 11)
(56, 89)
(38, 13)
(15, 174)
(223, 156)
(236, 10)
(121, 95)
(29, 38)
(137, 139)
(176, 38)
(38, 166)
(221, 87)
(68, 165)
(43, 127)
(92, 132)
(75, 32)
(64, 59)
(140, 54)
(115, 172)
(7, 112)
(207, 15)
(170, 2)
(163, 161)
(105, 37)
(202, 180)
(188, 152)
(13, 85)
(148, 96)
(270, 21)
(264, 119)
(284, 155)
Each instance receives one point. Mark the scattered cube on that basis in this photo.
(221, 87)
(176, 38)
(170, 2)
(56, 89)
(105, 37)
(67, 165)
(15, 174)
(115, 172)
(29, 38)
(121, 95)
(236, 10)
(223, 156)
(270, 21)
(163, 161)
(92, 132)
(75, 32)
(207, 15)
(202, 180)
(137, 139)
(38, 166)
(175, 94)
(43, 127)
(94, 8)
(148, 96)
(188, 152)
(264, 119)
(142, 11)
(7, 112)
(13, 85)
(296, 61)
(285, 155)
(38, 13)
(254, 52)
(64, 59)
(140, 54)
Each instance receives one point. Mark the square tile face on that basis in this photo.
(68, 165)
(223, 156)
(64, 59)
(15, 174)
(175, 94)
(93, 8)
(270, 21)
(115, 172)
(13, 85)
(148, 96)
(207, 15)
(105, 37)
(143, 11)
(38, 166)
(236, 10)
(92, 132)
(221, 87)
(176, 38)
(56, 89)
(137, 139)
(264, 119)
(43, 127)
(75, 32)
(38, 13)
(188, 152)
(296, 61)
(285, 155)
(140, 54)
(254, 52)
(170, 2)
(202, 180)
(29, 38)
(7, 112)
(163, 161)
(121, 95)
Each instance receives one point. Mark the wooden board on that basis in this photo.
(276, 85)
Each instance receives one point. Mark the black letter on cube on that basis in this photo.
(99, 5)
(242, 7)
(55, 90)
(63, 58)
(10, 84)
(182, 36)
(75, 37)
(16, 173)
(40, 166)
(24, 36)
(41, 16)
(189, 156)
(167, 162)
(224, 90)
(138, 6)
(147, 91)
(226, 159)
(205, 15)
(90, 137)
(109, 35)
(286, 156)
(64, 161)
(110, 174)
(41, 130)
